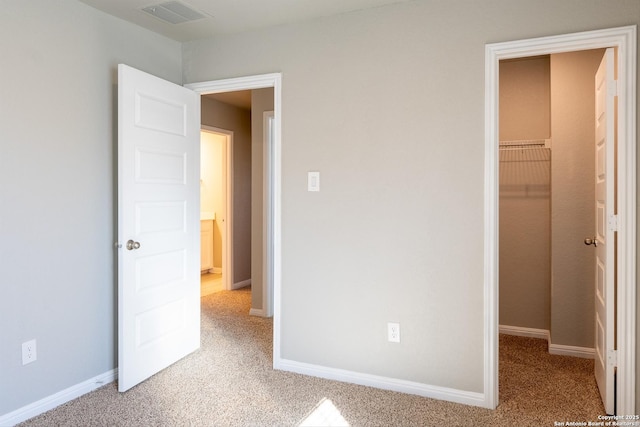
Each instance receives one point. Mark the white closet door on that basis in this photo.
(605, 87)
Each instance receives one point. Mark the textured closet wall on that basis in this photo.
(524, 205)
(525, 98)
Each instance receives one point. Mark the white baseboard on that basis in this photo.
(570, 350)
(524, 332)
(557, 349)
(43, 405)
(257, 312)
(216, 270)
(385, 383)
(242, 284)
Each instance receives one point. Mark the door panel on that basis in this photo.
(158, 225)
(604, 203)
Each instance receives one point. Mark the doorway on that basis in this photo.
(268, 290)
(547, 189)
(624, 39)
(547, 183)
(216, 242)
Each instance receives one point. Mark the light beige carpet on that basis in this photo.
(230, 382)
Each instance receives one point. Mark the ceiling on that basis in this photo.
(230, 16)
(238, 98)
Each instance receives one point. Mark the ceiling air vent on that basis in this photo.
(174, 12)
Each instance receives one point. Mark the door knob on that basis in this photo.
(133, 245)
(591, 241)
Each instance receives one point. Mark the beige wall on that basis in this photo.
(237, 120)
(261, 101)
(572, 201)
(388, 104)
(58, 127)
(524, 261)
(525, 105)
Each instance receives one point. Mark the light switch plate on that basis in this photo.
(313, 181)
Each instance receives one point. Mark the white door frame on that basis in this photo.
(268, 127)
(624, 39)
(274, 80)
(227, 238)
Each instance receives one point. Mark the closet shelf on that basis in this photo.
(525, 143)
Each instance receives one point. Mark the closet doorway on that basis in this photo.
(546, 207)
(547, 190)
(624, 221)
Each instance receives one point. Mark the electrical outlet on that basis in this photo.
(29, 352)
(393, 332)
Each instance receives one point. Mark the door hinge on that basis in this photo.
(613, 222)
(612, 358)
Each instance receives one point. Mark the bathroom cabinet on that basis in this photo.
(206, 245)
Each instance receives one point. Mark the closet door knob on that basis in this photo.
(591, 241)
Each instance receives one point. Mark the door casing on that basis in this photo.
(624, 40)
(268, 118)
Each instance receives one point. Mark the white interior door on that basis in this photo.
(604, 240)
(158, 224)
